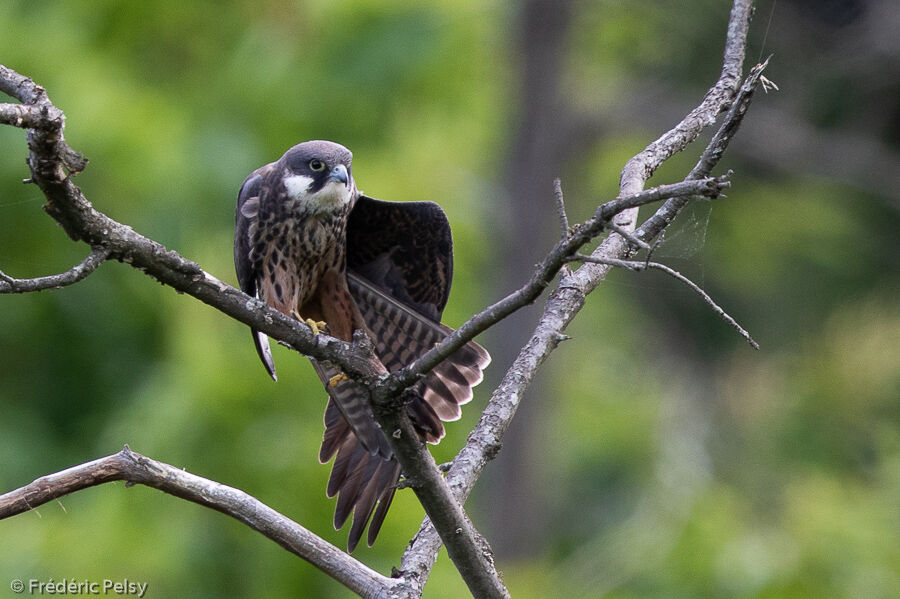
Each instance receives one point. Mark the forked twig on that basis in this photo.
(638, 266)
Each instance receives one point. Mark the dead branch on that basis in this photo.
(638, 266)
(569, 297)
(134, 468)
(78, 272)
(579, 235)
(666, 213)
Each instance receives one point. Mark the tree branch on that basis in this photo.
(638, 266)
(485, 441)
(135, 468)
(664, 216)
(78, 272)
(543, 275)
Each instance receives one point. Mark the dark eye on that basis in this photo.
(316, 165)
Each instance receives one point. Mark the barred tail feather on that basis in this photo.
(364, 483)
(352, 404)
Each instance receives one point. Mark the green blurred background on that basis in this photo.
(657, 454)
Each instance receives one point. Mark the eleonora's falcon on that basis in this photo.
(309, 244)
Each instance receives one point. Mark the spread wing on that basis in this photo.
(400, 258)
(246, 218)
(400, 265)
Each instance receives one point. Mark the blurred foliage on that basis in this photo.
(674, 461)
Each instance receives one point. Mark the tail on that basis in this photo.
(365, 472)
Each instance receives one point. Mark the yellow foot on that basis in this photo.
(316, 325)
(333, 381)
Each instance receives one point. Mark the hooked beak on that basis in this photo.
(339, 173)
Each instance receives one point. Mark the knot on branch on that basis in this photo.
(716, 185)
(75, 161)
(44, 122)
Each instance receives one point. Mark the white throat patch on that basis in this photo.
(297, 185)
(333, 196)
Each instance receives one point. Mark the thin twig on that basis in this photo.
(629, 237)
(710, 156)
(78, 272)
(709, 187)
(563, 218)
(561, 208)
(638, 266)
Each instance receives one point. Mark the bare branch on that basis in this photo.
(477, 569)
(638, 266)
(563, 217)
(21, 87)
(45, 136)
(579, 235)
(78, 272)
(709, 187)
(561, 208)
(135, 468)
(567, 300)
(710, 157)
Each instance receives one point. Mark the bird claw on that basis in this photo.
(333, 381)
(317, 326)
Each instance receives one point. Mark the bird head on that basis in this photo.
(317, 175)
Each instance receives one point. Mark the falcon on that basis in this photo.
(312, 246)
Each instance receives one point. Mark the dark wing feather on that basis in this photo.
(246, 218)
(405, 249)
